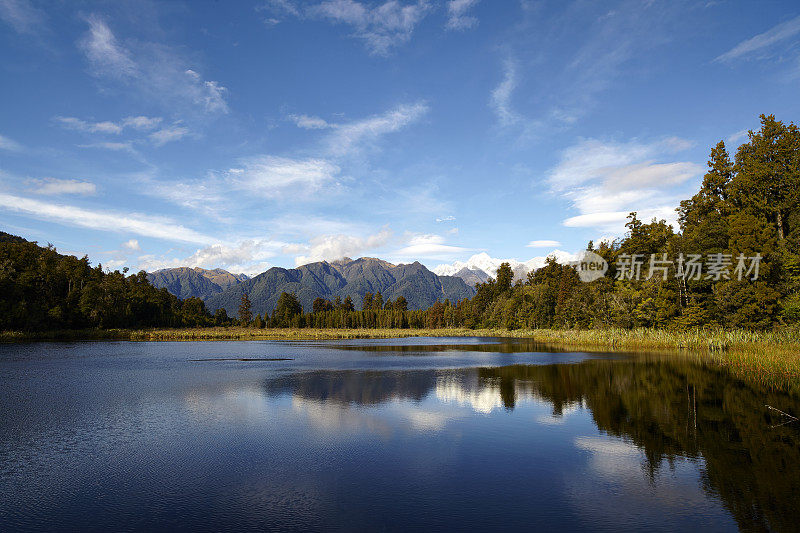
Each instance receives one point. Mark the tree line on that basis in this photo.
(747, 205)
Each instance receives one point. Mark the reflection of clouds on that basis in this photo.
(427, 420)
(483, 399)
(557, 420)
(611, 457)
(240, 402)
(667, 498)
(332, 416)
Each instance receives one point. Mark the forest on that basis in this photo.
(747, 205)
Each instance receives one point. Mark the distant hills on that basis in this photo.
(185, 282)
(347, 277)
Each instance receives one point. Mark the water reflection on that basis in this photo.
(358, 435)
(664, 412)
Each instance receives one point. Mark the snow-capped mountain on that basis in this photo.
(481, 266)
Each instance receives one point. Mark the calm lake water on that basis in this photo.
(394, 434)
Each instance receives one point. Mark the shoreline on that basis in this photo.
(770, 359)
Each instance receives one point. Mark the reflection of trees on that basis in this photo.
(501, 346)
(667, 408)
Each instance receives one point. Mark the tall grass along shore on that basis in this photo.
(769, 358)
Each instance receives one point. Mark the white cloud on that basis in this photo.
(55, 186)
(73, 123)
(737, 138)
(22, 16)
(154, 69)
(9, 144)
(168, 134)
(448, 218)
(107, 126)
(781, 32)
(149, 226)
(606, 180)
(114, 146)
(543, 244)
(501, 104)
(105, 53)
(131, 246)
(501, 95)
(382, 27)
(271, 175)
(428, 245)
(332, 247)
(141, 122)
(308, 122)
(457, 17)
(487, 264)
(350, 137)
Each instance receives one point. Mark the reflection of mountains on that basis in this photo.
(667, 408)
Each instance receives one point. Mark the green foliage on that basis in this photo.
(41, 289)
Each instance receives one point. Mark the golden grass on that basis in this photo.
(768, 358)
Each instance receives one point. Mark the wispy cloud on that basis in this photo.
(54, 186)
(270, 176)
(502, 105)
(22, 16)
(155, 69)
(458, 17)
(352, 137)
(140, 123)
(168, 134)
(382, 27)
(606, 180)
(762, 41)
(139, 224)
(309, 123)
(9, 144)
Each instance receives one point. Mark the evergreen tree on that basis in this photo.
(245, 315)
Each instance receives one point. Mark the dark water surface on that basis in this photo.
(395, 434)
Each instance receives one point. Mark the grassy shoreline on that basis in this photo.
(768, 358)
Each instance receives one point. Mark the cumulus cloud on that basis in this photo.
(53, 186)
(131, 246)
(760, 42)
(607, 180)
(488, 265)
(332, 247)
(457, 17)
(154, 69)
(139, 224)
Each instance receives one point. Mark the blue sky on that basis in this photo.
(245, 135)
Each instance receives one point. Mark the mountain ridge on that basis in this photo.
(342, 278)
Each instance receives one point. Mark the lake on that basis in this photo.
(389, 434)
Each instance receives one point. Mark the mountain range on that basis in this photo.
(185, 282)
(346, 277)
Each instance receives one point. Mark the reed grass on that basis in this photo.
(769, 359)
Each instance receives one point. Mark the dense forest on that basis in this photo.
(41, 289)
(747, 206)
